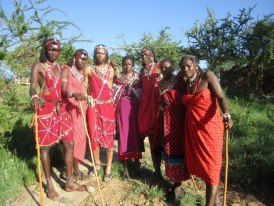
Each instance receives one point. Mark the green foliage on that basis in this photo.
(251, 143)
(16, 141)
(259, 49)
(149, 192)
(190, 198)
(66, 53)
(163, 45)
(259, 44)
(23, 31)
(14, 174)
(218, 40)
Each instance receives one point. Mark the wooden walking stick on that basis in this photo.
(38, 157)
(226, 165)
(35, 120)
(194, 184)
(91, 154)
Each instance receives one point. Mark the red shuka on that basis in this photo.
(149, 103)
(203, 136)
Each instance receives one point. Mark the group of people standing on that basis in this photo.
(179, 113)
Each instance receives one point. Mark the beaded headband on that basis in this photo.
(81, 52)
(52, 43)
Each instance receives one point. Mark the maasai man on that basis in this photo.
(204, 125)
(149, 106)
(53, 122)
(169, 131)
(131, 145)
(101, 113)
(73, 89)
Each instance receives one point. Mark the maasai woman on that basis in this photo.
(131, 145)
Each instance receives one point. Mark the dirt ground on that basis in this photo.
(121, 192)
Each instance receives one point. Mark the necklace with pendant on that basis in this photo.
(193, 84)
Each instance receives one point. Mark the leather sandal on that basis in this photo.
(75, 187)
(107, 177)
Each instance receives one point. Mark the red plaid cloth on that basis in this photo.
(74, 109)
(203, 136)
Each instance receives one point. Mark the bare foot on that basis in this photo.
(52, 194)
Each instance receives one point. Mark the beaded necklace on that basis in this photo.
(147, 71)
(128, 78)
(51, 73)
(193, 83)
(78, 74)
(101, 72)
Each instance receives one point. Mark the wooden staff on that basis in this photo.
(226, 165)
(194, 184)
(38, 158)
(91, 154)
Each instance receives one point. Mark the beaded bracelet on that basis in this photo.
(227, 115)
(34, 96)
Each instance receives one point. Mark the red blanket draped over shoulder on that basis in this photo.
(149, 103)
(203, 136)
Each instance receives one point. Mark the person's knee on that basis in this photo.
(68, 145)
(44, 152)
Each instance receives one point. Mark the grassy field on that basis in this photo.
(251, 146)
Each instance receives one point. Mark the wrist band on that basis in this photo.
(227, 115)
(34, 96)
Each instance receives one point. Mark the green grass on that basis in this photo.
(14, 174)
(251, 142)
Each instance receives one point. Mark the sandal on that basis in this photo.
(80, 177)
(75, 187)
(107, 177)
(53, 195)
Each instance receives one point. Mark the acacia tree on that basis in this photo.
(163, 45)
(259, 49)
(218, 40)
(23, 31)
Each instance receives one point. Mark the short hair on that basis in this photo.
(130, 57)
(99, 46)
(166, 60)
(43, 56)
(189, 57)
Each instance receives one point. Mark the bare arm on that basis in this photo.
(34, 82)
(111, 76)
(215, 87)
(65, 75)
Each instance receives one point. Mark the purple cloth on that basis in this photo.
(129, 137)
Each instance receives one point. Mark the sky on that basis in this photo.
(104, 21)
